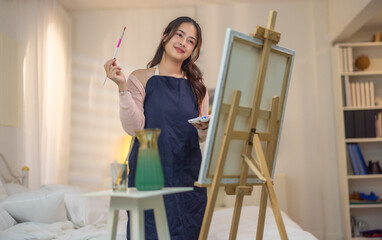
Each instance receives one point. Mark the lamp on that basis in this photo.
(119, 169)
(122, 149)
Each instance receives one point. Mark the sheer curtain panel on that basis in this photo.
(45, 33)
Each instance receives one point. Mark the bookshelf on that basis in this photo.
(358, 93)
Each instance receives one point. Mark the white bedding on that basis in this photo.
(54, 212)
(87, 218)
(221, 224)
(219, 229)
(60, 231)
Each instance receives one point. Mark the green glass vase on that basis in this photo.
(149, 173)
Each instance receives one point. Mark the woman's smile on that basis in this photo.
(179, 50)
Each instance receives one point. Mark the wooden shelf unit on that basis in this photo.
(371, 148)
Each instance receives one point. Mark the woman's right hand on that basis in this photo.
(114, 72)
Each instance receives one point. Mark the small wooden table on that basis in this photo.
(136, 202)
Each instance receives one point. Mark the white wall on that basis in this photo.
(10, 137)
(342, 12)
(344, 22)
(328, 175)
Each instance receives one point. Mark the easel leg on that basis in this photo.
(262, 212)
(276, 211)
(238, 203)
(236, 216)
(209, 211)
(270, 189)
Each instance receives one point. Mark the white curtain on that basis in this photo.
(45, 33)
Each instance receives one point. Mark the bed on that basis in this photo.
(61, 212)
(220, 227)
(53, 212)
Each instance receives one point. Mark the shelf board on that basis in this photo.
(362, 108)
(361, 73)
(365, 238)
(361, 44)
(352, 206)
(360, 140)
(367, 176)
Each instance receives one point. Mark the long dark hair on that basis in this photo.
(193, 73)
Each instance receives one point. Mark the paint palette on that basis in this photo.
(200, 119)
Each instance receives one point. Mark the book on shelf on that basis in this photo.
(353, 159)
(360, 159)
(367, 94)
(370, 126)
(349, 124)
(350, 59)
(359, 124)
(361, 93)
(346, 63)
(372, 98)
(356, 159)
(347, 92)
(358, 94)
(363, 123)
(353, 94)
(378, 124)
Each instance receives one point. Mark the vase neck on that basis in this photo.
(148, 138)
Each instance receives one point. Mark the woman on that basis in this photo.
(165, 95)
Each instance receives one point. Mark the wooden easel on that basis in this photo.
(263, 163)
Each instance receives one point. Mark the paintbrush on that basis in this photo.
(116, 49)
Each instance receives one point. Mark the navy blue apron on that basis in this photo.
(168, 104)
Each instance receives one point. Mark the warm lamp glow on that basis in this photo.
(122, 149)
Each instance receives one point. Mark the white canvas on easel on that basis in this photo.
(238, 70)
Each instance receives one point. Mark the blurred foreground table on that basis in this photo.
(137, 202)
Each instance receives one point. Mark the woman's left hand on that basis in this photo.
(201, 125)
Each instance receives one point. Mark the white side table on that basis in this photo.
(136, 202)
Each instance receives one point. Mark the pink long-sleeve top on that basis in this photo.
(131, 108)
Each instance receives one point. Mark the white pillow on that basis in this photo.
(36, 206)
(6, 221)
(63, 188)
(3, 192)
(13, 188)
(82, 211)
